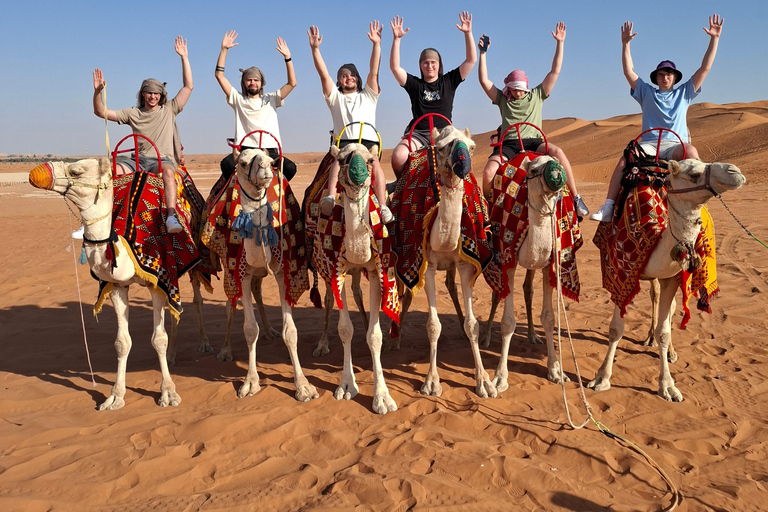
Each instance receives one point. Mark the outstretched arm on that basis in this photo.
(394, 55)
(482, 71)
(98, 105)
(626, 56)
(186, 72)
(374, 34)
(314, 43)
(715, 29)
(226, 43)
(286, 53)
(471, 57)
(557, 61)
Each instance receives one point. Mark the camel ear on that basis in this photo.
(674, 167)
(375, 150)
(466, 132)
(235, 154)
(104, 166)
(435, 133)
(525, 164)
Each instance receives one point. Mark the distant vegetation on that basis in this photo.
(37, 158)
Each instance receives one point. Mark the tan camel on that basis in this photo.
(694, 183)
(88, 184)
(254, 174)
(358, 253)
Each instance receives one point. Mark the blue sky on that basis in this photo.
(48, 50)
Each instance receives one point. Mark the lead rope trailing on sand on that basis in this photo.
(720, 197)
(676, 496)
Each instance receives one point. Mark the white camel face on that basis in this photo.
(691, 174)
(454, 152)
(355, 161)
(254, 167)
(538, 184)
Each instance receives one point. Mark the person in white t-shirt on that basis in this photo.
(352, 102)
(255, 109)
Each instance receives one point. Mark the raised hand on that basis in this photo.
(283, 48)
(484, 43)
(314, 37)
(98, 80)
(466, 22)
(559, 33)
(626, 32)
(397, 27)
(181, 46)
(229, 40)
(715, 25)
(374, 32)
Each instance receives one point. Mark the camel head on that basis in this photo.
(82, 182)
(454, 153)
(545, 177)
(254, 170)
(698, 182)
(355, 161)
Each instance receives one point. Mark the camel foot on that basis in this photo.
(500, 383)
(391, 345)
(169, 397)
(347, 389)
(225, 356)
(322, 348)
(670, 393)
(599, 384)
(305, 391)
(383, 403)
(533, 338)
(272, 334)
(205, 346)
(432, 387)
(556, 375)
(249, 388)
(112, 403)
(485, 387)
(171, 358)
(672, 357)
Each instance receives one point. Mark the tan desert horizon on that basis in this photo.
(454, 452)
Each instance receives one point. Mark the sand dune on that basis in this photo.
(457, 452)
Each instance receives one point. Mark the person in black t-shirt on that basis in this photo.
(433, 92)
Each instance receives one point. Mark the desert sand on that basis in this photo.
(455, 452)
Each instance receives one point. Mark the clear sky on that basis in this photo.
(48, 50)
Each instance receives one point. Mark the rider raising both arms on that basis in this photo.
(255, 109)
(665, 107)
(155, 118)
(519, 104)
(433, 92)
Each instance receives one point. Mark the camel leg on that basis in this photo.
(382, 401)
(168, 395)
(322, 345)
(357, 294)
(655, 290)
(602, 381)
(528, 295)
(667, 389)
(269, 331)
(123, 343)
(554, 372)
(508, 324)
(484, 387)
(304, 390)
(197, 301)
(489, 323)
(432, 381)
(171, 353)
(453, 292)
(348, 387)
(405, 304)
(251, 330)
(671, 353)
(225, 355)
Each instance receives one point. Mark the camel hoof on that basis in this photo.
(432, 388)
(500, 383)
(249, 388)
(169, 398)
(534, 339)
(672, 357)
(383, 403)
(650, 341)
(392, 345)
(346, 392)
(225, 356)
(272, 334)
(670, 394)
(486, 389)
(321, 350)
(599, 384)
(305, 391)
(112, 403)
(205, 347)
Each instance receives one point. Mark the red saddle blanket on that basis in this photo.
(326, 236)
(139, 215)
(627, 242)
(414, 205)
(223, 207)
(194, 202)
(509, 227)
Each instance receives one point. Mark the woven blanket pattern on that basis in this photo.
(509, 227)
(415, 203)
(702, 282)
(193, 201)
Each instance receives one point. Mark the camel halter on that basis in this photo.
(547, 174)
(356, 183)
(705, 186)
(451, 163)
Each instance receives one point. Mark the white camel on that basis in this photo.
(88, 184)
(691, 184)
(254, 174)
(356, 254)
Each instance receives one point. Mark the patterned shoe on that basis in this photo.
(581, 208)
(172, 224)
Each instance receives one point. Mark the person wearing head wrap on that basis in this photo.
(433, 92)
(665, 107)
(254, 108)
(350, 101)
(520, 104)
(155, 118)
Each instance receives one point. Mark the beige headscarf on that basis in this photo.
(152, 85)
(251, 72)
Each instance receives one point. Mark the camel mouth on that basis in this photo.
(554, 176)
(42, 177)
(461, 160)
(357, 170)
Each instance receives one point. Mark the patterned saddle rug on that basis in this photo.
(509, 227)
(325, 236)
(414, 205)
(138, 216)
(193, 201)
(627, 242)
(226, 244)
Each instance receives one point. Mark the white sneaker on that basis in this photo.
(326, 204)
(78, 235)
(386, 214)
(604, 214)
(172, 224)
